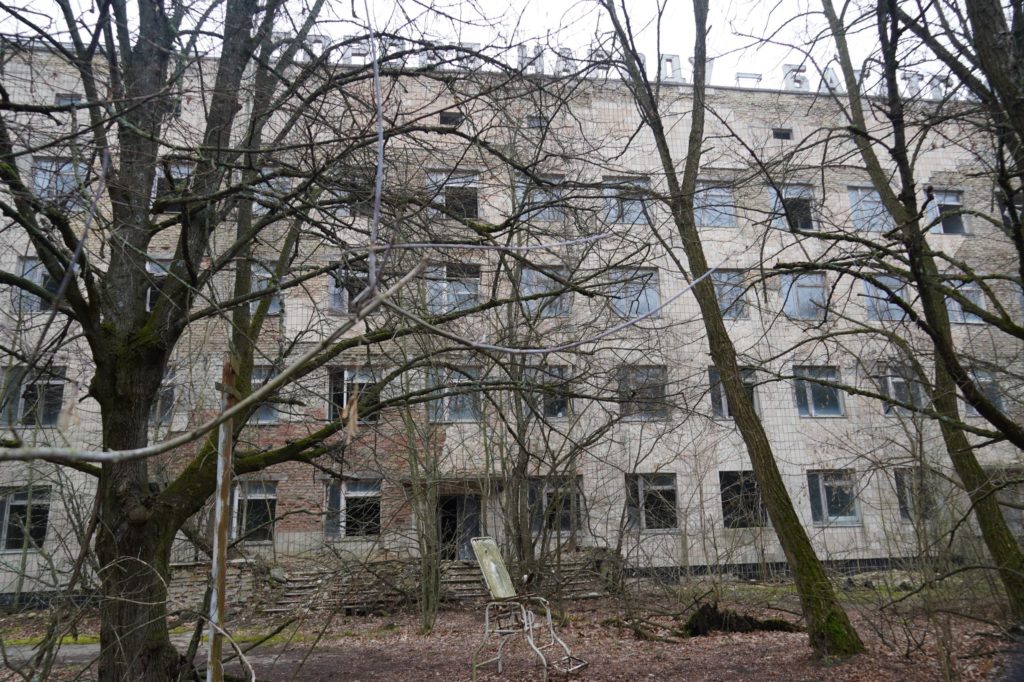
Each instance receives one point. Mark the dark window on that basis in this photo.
(798, 213)
(948, 212)
(461, 202)
(555, 503)
(255, 507)
(642, 392)
(833, 496)
(451, 119)
(353, 508)
(348, 384)
(24, 515)
(900, 384)
(651, 501)
(266, 413)
(42, 396)
(742, 506)
(912, 493)
(66, 99)
(782, 133)
(719, 401)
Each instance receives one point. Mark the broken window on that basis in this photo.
(555, 503)
(546, 394)
(901, 384)
(266, 413)
(793, 208)
(947, 213)
(457, 193)
(58, 181)
(347, 384)
(162, 410)
(343, 285)
(913, 494)
(353, 508)
(971, 293)
(253, 509)
(651, 501)
(719, 401)
(42, 396)
(729, 290)
(833, 496)
(742, 506)
(263, 280)
(34, 271)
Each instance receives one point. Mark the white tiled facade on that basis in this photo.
(595, 139)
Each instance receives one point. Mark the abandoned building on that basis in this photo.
(538, 206)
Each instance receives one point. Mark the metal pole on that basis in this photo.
(221, 519)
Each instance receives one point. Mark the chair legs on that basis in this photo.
(508, 619)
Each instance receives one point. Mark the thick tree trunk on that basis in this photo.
(828, 627)
(132, 543)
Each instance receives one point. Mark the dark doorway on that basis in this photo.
(458, 521)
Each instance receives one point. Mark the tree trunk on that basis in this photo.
(828, 627)
(132, 543)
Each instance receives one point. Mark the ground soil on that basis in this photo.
(321, 646)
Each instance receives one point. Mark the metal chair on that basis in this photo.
(508, 615)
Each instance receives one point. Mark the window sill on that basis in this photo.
(658, 531)
(254, 543)
(347, 539)
(27, 550)
(823, 416)
(853, 523)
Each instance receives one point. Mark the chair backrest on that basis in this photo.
(493, 567)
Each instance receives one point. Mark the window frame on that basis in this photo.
(161, 412)
(179, 171)
(534, 281)
(803, 381)
(638, 488)
(269, 192)
(781, 213)
(623, 282)
(438, 185)
(439, 409)
(60, 194)
(866, 200)
(916, 501)
(34, 270)
(158, 270)
(794, 307)
(817, 489)
(720, 408)
(549, 196)
(448, 290)
(986, 382)
(540, 378)
(336, 502)
(889, 384)
(266, 413)
(350, 377)
(9, 498)
(340, 291)
(643, 409)
(240, 511)
(625, 201)
(737, 308)
(261, 277)
(52, 380)
(879, 305)
(746, 505)
(569, 518)
(954, 308)
(941, 209)
(703, 207)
